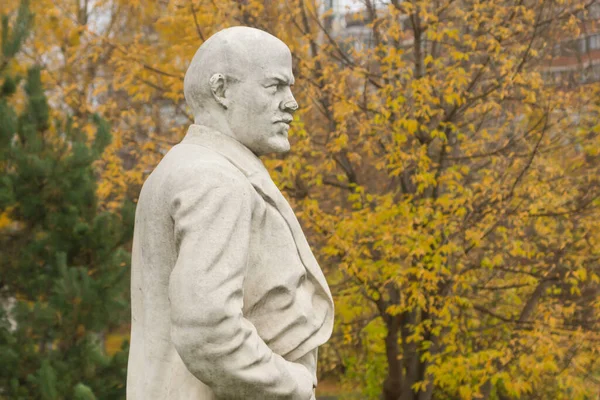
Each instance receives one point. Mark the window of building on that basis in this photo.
(594, 41)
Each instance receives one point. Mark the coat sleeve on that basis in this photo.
(212, 212)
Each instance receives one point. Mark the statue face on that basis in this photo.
(261, 103)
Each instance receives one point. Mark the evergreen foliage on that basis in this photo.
(63, 261)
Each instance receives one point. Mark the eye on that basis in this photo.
(273, 88)
(276, 86)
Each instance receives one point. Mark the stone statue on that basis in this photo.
(228, 301)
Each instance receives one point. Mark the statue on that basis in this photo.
(228, 301)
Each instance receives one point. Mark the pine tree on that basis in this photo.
(63, 262)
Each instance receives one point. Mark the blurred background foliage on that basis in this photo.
(445, 166)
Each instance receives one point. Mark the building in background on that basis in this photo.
(577, 61)
(572, 62)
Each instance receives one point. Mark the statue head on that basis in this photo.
(239, 83)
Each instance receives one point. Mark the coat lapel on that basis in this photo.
(265, 186)
(249, 164)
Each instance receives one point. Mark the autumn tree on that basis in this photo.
(450, 192)
(465, 224)
(63, 263)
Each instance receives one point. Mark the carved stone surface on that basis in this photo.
(228, 301)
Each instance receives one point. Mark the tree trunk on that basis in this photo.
(409, 356)
(392, 387)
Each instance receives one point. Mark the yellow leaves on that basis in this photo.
(420, 249)
(497, 260)
(395, 309)
(393, 58)
(420, 386)
(424, 181)
(5, 220)
(473, 237)
(465, 392)
(445, 201)
(339, 143)
(573, 24)
(452, 33)
(150, 146)
(519, 386)
(74, 38)
(530, 97)
(411, 125)
(114, 341)
(438, 134)
(459, 56)
(428, 60)
(452, 98)
(580, 274)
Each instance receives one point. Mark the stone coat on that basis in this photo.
(228, 301)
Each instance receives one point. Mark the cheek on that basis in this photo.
(254, 107)
(258, 100)
(262, 102)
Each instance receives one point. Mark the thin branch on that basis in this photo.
(196, 21)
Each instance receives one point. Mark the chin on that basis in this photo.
(276, 144)
(283, 147)
(280, 144)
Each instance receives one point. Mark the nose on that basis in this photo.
(288, 104)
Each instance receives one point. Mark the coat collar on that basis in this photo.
(238, 154)
(251, 166)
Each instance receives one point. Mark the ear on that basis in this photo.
(218, 87)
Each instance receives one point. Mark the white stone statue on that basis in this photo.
(228, 301)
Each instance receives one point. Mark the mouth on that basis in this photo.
(282, 127)
(285, 120)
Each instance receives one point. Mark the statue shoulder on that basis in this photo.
(191, 165)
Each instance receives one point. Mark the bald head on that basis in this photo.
(239, 84)
(235, 53)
